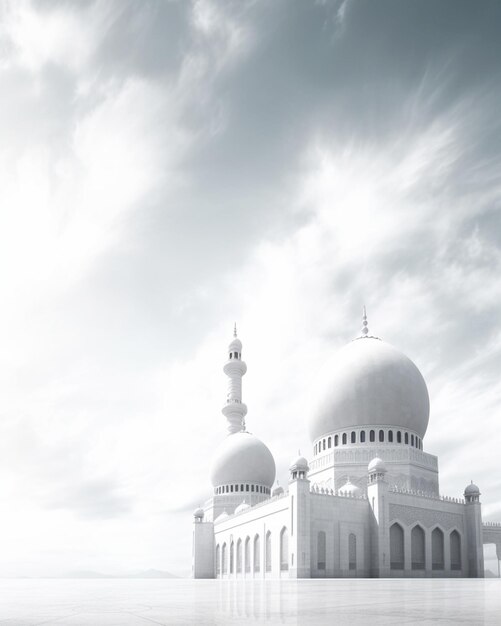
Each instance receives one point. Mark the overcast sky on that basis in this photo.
(168, 168)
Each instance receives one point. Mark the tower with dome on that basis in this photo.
(367, 501)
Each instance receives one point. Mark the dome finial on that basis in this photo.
(235, 329)
(365, 329)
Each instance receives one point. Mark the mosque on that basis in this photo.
(366, 504)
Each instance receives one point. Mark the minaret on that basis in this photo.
(235, 410)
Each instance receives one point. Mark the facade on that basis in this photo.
(367, 503)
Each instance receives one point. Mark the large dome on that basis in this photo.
(373, 384)
(243, 458)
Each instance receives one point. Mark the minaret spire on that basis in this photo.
(365, 329)
(235, 410)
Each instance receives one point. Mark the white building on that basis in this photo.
(366, 504)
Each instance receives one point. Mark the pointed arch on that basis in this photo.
(284, 549)
(396, 546)
(352, 551)
(267, 551)
(437, 549)
(224, 560)
(218, 560)
(232, 557)
(239, 556)
(247, 555)
(417, 547)
(321, 550)
(455, 546)
(257, 553)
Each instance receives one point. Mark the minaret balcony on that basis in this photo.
(234, 408)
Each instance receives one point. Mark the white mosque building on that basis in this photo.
(366, 504)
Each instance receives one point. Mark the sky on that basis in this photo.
(170, 168)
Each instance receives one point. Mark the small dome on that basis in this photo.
(243, 458)
(243, 506)
(350, 489)
(198, 513)
(300, 463)
(222, 516)
(372, 384)
(277, 491)
(235, 345)
(376, 465)
(472, 490)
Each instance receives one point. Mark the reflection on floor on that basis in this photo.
(212, 602)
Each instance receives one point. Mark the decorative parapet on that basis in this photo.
(492, 524)
(424, 494)
(321, 491)
(257, 505)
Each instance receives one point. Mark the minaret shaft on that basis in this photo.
(234, 409)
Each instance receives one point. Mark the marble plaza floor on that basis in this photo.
(353, 602)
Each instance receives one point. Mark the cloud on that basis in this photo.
(92, 499)
(169, 168)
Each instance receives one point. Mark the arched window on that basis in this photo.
(268, 551)
(406, 438)
(417, 548)
(412, 440)
(284, 549)
(372, 436)
(257, 553)
(232, 557)
(396, 547)
(247, 564)
(437, 549)
(353, 437)
(218, 560)
(336, 441)
(390, 436)
(224, 560)
(231, 488)
(323, 447)
(344, 439)
(399, 437)
(455, 550)
(362, 436)
(381, 435)
(252, 488)
(239, 556)
(321, 550)
(352, 551)
(329, 442)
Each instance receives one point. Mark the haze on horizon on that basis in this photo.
(169, 168)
